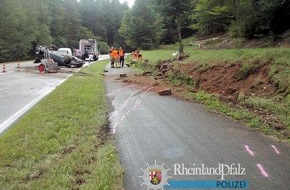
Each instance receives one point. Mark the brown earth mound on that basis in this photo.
(231, 79)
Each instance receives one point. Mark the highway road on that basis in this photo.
(178, 138)
(22, 88)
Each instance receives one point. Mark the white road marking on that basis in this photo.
(5, 125)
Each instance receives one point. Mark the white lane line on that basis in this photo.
(5, 125)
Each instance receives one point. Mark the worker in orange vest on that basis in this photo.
(122, 56)
(115, 58)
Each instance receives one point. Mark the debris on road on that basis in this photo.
(165, 92)
(123, 75)
(147, 73)
(127, 81)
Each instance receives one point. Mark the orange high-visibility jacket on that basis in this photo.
(115, 54)
(121, 52)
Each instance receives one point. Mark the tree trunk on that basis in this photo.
(238, 9)
(179, 36)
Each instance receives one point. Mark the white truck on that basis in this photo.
(88, 49)
(65, 51)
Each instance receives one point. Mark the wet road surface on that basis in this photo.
(21, 88)
(180, 135)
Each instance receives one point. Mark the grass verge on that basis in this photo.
(63, 142)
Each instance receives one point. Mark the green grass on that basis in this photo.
(233, 55)
(212, 102)
(61, 143)
(160, 54)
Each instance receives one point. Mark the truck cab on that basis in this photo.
(88, 49)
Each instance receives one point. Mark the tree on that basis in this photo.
(113, 17)
(142, 27)
(261, 18)
(18, 29)
(57, 12)
(93, 17)
(211, 16)
(177, 10)
(71, 23)
(125, 29)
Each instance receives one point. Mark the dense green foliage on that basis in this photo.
(61, 23)
(149, 23)
(142, 27)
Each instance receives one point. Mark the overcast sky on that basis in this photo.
(130, 2)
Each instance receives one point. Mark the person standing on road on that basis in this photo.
(122, 56)
(111, 57)
(115, 56)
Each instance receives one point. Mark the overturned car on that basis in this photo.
(42, 52)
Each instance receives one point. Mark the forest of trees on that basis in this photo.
(149, 23)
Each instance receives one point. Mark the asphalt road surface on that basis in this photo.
(182, 136)
(23, 87)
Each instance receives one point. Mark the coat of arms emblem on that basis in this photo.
(155, 176)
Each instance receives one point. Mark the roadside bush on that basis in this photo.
(147, 46)
(104, 48)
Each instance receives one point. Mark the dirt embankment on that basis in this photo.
(230, 80)
(232, 83)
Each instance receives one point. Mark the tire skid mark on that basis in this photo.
(113, 115)
(138, 102)
(119, 90)
(113, 131)
(126, 102)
